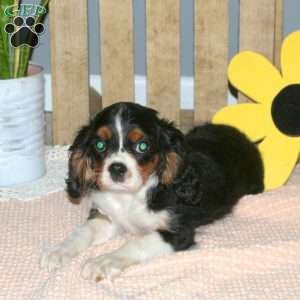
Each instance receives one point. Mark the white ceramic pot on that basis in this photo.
(22, 155)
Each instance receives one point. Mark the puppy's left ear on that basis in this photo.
(171, 144)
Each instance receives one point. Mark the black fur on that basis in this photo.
(217, 166)
(74, 187)
(220, 166)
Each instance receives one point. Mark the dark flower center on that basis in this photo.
(286, 110)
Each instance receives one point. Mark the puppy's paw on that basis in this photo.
(55, 258)
(107, 266)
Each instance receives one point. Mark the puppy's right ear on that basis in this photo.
(171, 142)
(80, 171)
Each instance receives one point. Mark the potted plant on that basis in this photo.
(21, 93)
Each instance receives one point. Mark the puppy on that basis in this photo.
(141, 175)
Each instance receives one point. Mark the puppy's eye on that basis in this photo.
(142, 147)
(100, 146)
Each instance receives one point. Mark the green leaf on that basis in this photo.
(5, 48)
(14, 61)
(26, 52)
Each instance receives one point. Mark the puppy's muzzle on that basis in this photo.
(117, 172)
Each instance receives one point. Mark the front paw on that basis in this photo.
(105, 266)
(55, 258)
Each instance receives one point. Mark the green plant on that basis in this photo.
(14, 61)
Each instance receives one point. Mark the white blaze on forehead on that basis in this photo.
(119, 131)
(133, 179)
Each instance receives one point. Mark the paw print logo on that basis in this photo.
(24, 31)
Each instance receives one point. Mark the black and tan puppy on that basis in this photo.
(142, 175)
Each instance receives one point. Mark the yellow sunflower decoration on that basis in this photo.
(273, 119)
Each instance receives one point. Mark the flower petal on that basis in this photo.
(255, 76)
(290, 58)
(280, 155)
(247, 117)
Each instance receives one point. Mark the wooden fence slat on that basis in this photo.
(186, 119)
(69, 68)
(163, 57)
(279, 9)
(257, 28)
(117, 60)
(211, 57)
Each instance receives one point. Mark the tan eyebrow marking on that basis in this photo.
(105, 133)
(135, 134)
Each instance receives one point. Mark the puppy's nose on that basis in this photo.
(117, 171)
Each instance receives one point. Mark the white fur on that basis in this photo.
(124, 212)
(120, 132)
(130, 213)
(112, 264)
(133, 179)
(124, 209)
(129, 210)
(93, 232)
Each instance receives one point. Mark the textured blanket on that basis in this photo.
(252, 254)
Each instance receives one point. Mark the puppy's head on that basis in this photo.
(121, 149)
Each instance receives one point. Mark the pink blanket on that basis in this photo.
(252, 254)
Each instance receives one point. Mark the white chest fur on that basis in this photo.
(129, 211)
